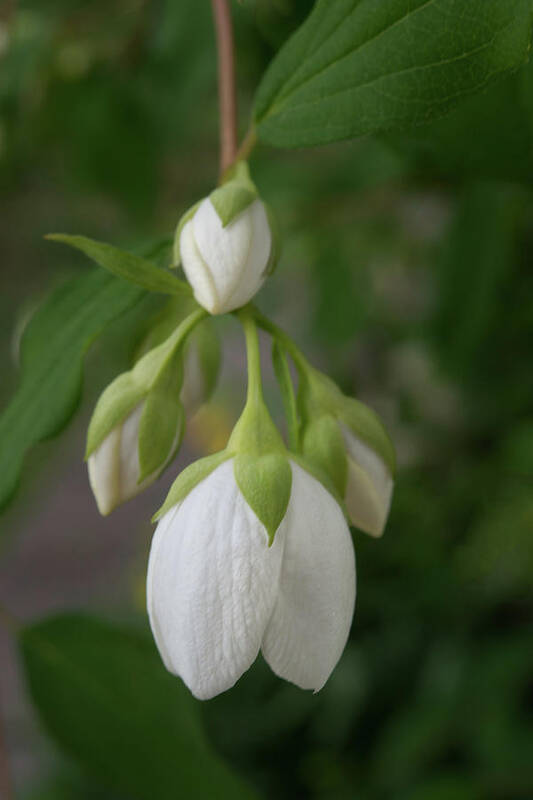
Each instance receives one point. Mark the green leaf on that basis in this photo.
(283, 377)
(357, 67)
(189, 478)
(105, 697)
(125, 265)
(265, 483)
(52, 349)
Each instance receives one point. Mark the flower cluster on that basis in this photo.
(252, 550)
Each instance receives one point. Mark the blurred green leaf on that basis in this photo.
(125, 265)
(51, 359)
(104, 695)
(360, 67)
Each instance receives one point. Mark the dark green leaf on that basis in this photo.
(52, 349)
(125, 265)
(357, 66)
(106, 698)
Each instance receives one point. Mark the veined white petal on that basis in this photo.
(369, 487)
(212, 584)
(254, 271)
(313, 613)
(225, 251)
(197, 272)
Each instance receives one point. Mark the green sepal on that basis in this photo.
(165, 322)
(162, 421)
(275, 238)
(255, 433)
(189, 478)
(265, 483)
(323, 445)
(365, 423)
(134, 269)
(318, 395)
(176, 256)
(235, 195)
(130, 388)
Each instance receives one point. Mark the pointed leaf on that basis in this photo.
(266, 486)
(358, 66)
(125, 265)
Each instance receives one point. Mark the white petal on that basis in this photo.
(369, 487)
(254, 272)
(197, 272)
(313, 613)
(224, 251)
(104, 473)
(212, 584)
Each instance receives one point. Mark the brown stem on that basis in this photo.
(226, 83)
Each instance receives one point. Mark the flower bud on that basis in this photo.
(114, 467)
(226, 246)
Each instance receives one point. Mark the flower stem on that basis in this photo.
(226, 83)
(255, 385)
(301, 363)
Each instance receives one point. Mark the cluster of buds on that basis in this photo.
(252, 549)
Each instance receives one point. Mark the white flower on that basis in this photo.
(369, 486)
(114, 468)
(217, 593)
(226, 266)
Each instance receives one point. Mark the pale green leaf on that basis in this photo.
(361, 66)
(125, 265)
(323, 445)
(52, 349)
(106, 698)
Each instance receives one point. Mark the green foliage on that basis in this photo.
(52, 350)
(360, 67)
(105, 697)
(125, 265)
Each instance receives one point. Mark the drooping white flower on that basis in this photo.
(217, 593)
(369, 485)
(226, 265)
(114, 468)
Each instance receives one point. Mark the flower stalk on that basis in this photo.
(226, 82)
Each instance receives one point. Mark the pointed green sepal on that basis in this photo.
(323, 445)
(321, 476)
(132, 387)
(235, 195)
(255, 433)
(365, 423)
(162, 421)
(176, 255)
(189, 478)
(265, 483)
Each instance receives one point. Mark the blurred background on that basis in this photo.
(406, 275)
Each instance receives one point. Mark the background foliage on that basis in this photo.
(406, 271)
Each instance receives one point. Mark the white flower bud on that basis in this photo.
(218, 593)
(369, 485)
(226, 265)
(114, 468)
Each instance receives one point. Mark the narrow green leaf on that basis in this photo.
(52, 350)
(358, 66)
(125, 265)
(105, 697)
(265, 483)
(283, 377)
